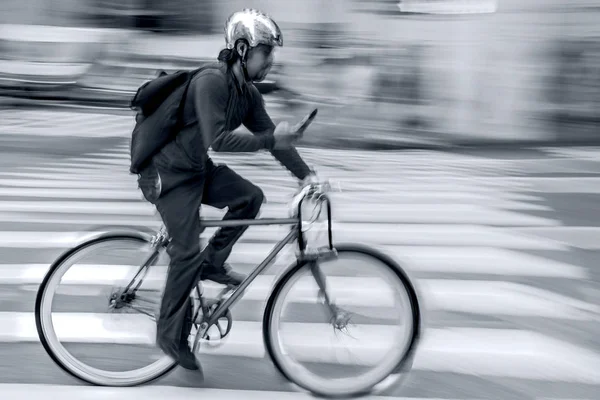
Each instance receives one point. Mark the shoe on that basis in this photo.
(188, 360)
(190, 374)
(224, 275)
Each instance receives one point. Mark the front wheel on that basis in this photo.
(378, 322)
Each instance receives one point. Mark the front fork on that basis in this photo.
(338, 317)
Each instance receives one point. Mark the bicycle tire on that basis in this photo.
(39, 304)
(402, 365)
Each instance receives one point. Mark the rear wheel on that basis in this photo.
(378, 319)
(85, 331)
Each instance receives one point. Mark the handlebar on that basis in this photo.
(313, 191)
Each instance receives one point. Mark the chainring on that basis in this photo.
(213, 335)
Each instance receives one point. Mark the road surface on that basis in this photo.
(503, 248)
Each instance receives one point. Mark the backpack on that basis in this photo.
(159, 104)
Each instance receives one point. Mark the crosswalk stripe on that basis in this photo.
(99, 161)
(154, 392)
(80, 168)
(71, 223)
(589, 185)
(474, 351)
(107, 194)
(73, 132)
(76, 207)
(128, 182)
(62, 183)
(470, 296)
(125, 156)
(384, 234)
(582, 237)
(375, 201)
(423, 259)
(379, 213)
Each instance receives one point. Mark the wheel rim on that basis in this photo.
(339, 386)
(78, 368)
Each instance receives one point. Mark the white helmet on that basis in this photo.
(253, 26)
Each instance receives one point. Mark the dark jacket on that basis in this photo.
(216, 105)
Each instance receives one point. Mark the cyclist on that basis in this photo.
(182, 175)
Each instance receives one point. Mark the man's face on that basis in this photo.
(259, 63)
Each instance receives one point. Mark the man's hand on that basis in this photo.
(285, 136)
(309, 179)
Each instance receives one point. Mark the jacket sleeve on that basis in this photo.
(211, 95)
(260, 124)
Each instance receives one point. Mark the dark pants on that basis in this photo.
(179, 208)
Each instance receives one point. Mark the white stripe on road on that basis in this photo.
(91, 194)
(455, 7)
(565, 185)
(45, 131)
(123, 155)
(418, 259)
(421, 197)
(589, 153)
(409, 167)
(91, 167)
(83, 179)
(83, 170)
(133, 208)
(384, 179)
(469, 296)
(352, 185)
(79, 207)
(378, 213)
(447, 199)
(421, 234)
(476, 297)
(80, 169)
(45, 176)
(477, 260)
(410, 175)
(151, 392)
(382, 234)
(582, 237)
(120, 161)
(503, 298)
(508, 200)
(70, 222)
(474, 351)
(125, 182)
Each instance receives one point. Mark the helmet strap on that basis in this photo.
(244, 69)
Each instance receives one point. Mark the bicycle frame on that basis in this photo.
(161, 240)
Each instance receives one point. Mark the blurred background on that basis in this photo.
(465, 135)
(431, 71)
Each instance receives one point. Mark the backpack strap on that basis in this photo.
(181, 108)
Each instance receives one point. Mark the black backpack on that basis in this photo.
(159, 104)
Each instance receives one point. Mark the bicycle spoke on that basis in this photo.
(141, 310)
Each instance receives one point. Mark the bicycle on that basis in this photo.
(209, 312)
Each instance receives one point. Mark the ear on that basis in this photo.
(242, 49)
